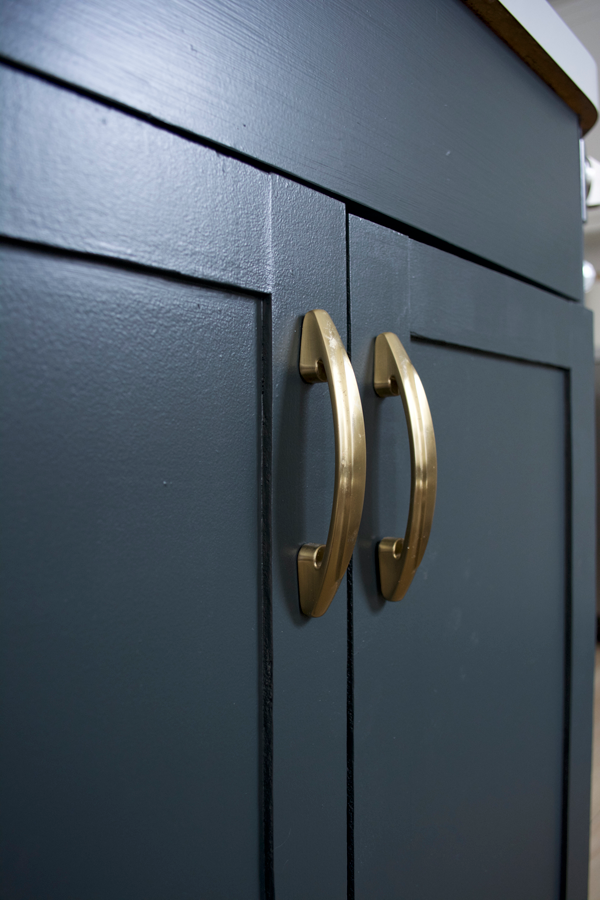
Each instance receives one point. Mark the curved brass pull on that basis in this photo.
(395, 375)
(323, 358)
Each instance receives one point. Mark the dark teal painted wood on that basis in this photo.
(75, 174)
(459, 689)
(309, 655)
(583, 613)
(414, 109)
(89, 188)
(453, 301)
(505, 319)
(181, 745)
(130, 584)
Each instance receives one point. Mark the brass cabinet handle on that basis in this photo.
(399, 558)
(323, 358)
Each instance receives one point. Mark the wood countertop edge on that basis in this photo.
(575, 84)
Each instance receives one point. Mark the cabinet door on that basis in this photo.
(472, 696)
(152, 296)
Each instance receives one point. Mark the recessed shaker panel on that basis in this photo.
(130, 584)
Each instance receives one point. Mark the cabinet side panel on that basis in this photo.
(583, 608)
(130, 609)
(414, 109)
(309, 655)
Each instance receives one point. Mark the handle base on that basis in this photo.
(310, 559)
(391, 567)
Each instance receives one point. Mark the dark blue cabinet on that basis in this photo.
(172, 725)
